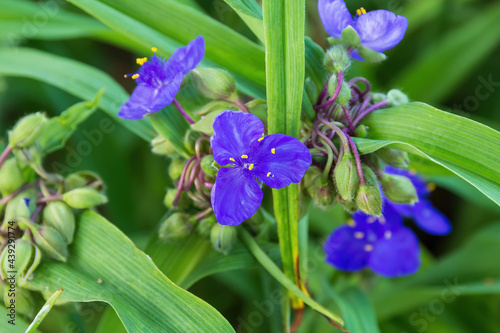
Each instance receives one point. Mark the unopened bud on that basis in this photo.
(399, 189)
(27, 130)
(361, 131)
(344, 95)
(397, 97)
(84, 179)
(161, 146)
(207, 165)
(368, 198)
(351, 37)
(396, 158)
(223, 237)
(346, 177)
(59, 216)
(336, 59)
(183, 203)
(11, 177)
(83, 198)
(350, 206)
(214, 83)
(23, 260)
(379, 97)
(175, 168)
(370, 55)
(51, 242)
(311, 90)
(204, 228)
(190, 141)
(321, 192)
(175, 226)
(22, 205)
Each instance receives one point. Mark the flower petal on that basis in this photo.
(381, 30)
(235, 197)
(146, 99)
(335, 16)
(396, 256)
(280, 159)
(188, 56)
(344, 251)
(234, 132)
(429, 219)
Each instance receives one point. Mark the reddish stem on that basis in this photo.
(362, 180)
(183, 112)
(181, 180)
(5, 154)
(368, 111)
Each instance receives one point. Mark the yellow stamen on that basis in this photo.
(250, 167)
(431, 187)
(368, 247)
(351, 223)
(273, 151)
(260, 139)
(141, 61)
(361, 11)
(371, 219)
(244, 156)
(231, 159)
(268, 174)
(388, 234)
(154, 49)
(359, 234)
(381, 219)
(358, 12)
(135, 76)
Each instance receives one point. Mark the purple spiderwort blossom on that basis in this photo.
(379, 30)
(158, 80)
(383, 243)
(276, 160)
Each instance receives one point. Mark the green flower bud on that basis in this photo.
(321, 192)
(16, 207)
(350, 206)
(346, 177)
(223, 238)
(175, 168)
(207, 165)
(175, 226)
(84, 179)
(49, 241)
(379, 97)
(59, 216)
(351, 37)
(369, 55)
(190, 141)
(27, 130)
(397, 97)
(161, 146)
(184, 200)
(361, 131)
(83, 198)
(368, 197)
(11, 177)
(345, 94)
(399, 189)
(396, 158)
(214, 83)
(336, 59)
(204, 228)
(311, 90)
(24, 303)
(24, 258)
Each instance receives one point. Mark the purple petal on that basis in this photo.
(188, 56)
(148, 99)
(344, 251)
(234, 132)
(235, 197)
(429, 219)
(381, 30)
(280, 160)
(335, 16)
(396, 255)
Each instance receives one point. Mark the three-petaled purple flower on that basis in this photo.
(383, 243)
(159, 80)
(252, 159)
(379, 30)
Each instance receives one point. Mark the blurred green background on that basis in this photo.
(446, 59)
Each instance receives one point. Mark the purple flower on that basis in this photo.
(379, 30)
(251, 159)
(159, 80)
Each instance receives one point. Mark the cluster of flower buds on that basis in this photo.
(37, 208)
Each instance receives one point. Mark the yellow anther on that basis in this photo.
(358, 12)
(381, 219)
(260, 139)
(351, 223)
(250, 167)
(273, 175)
(231, 159)
(141, 61)
(371, 219)
(244, 156)
(135, 76)
(268, 174)
(359, 235)
(368, 247)
(431, 187)
(125, 76)
(361, 11)
(154, 49)
(273, 151)
(388, 234)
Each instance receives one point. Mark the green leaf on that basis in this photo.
(44, 311)
(465, 147)
(104, 265)
(73, 77)
(251, 14)
(205, 124)
(172, 126)
(20, 325)
(59, 129)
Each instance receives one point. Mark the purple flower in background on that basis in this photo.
(252, 159)
(379, 30)
(383, 243)
(159, 80)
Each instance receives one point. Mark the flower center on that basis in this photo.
(361, 11)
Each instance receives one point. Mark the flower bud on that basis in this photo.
(204, 228)
(23, 259)
(311, 90)
(175, 168)
(223, 237)
(361, 131)
(350, 206)
(59, 216)
(183, 203)
(175, 226)
(84, 179)
(207, 165)
(214, 83)
(17, 207)
(11, 177)
(368, 197)
(399, 189)
(397, 97)
(50, 242)
(24, 303)
(351, 37)
(27, 130)
(394, 157)
(344, 95)
(346, 177)
(83, 198)
(369, 55)
(161, 146)
(379, 97)
(190, 141)
(321, 192)
(336, 59)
